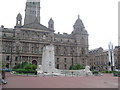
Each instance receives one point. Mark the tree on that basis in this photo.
(28, 66)
(76, 67)
(34, 67)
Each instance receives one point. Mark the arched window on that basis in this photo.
(34, 62)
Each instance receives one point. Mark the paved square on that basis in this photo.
(104, 81)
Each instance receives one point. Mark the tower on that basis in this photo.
(32, 11)
(19, 20)
(111, 57)
(81, 35)
(51, 24)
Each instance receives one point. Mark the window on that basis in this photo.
(82, 51)
(57, 59)
(8, 57)
(65, 66)
(65, 60)
(68, 41)
(57, 66)
(18, 22)
(72, 61)
(16, 58)
(32, 50)
(75, 41)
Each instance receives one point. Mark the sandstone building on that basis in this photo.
(25, 42)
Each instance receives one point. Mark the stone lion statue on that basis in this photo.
(39, 69)
(87, 68)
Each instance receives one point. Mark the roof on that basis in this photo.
(97, 50)
(9, 30)
(36, 25)
(62, 36)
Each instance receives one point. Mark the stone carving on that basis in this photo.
(39, 69)
(87, 70)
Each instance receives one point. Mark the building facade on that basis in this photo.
(25, 42)
(99, 59)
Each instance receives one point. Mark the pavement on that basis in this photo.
(104, 81)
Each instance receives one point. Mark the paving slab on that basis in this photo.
(104, 81)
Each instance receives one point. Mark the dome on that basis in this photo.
(79, 24)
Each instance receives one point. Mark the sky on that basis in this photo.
(100, 17)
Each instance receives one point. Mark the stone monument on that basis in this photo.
(48, 65)
(48, 59)
(111, 57)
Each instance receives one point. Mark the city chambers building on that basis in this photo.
(25, 42)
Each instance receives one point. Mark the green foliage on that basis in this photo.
(95, 72)
(108, 71)
(28, 66)
(116, 73)
(24, 71)
(17, 66)
(34, 67)
(76, 67)
(2, 64)
(25, 68)
(24, 64)
(20, 65)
